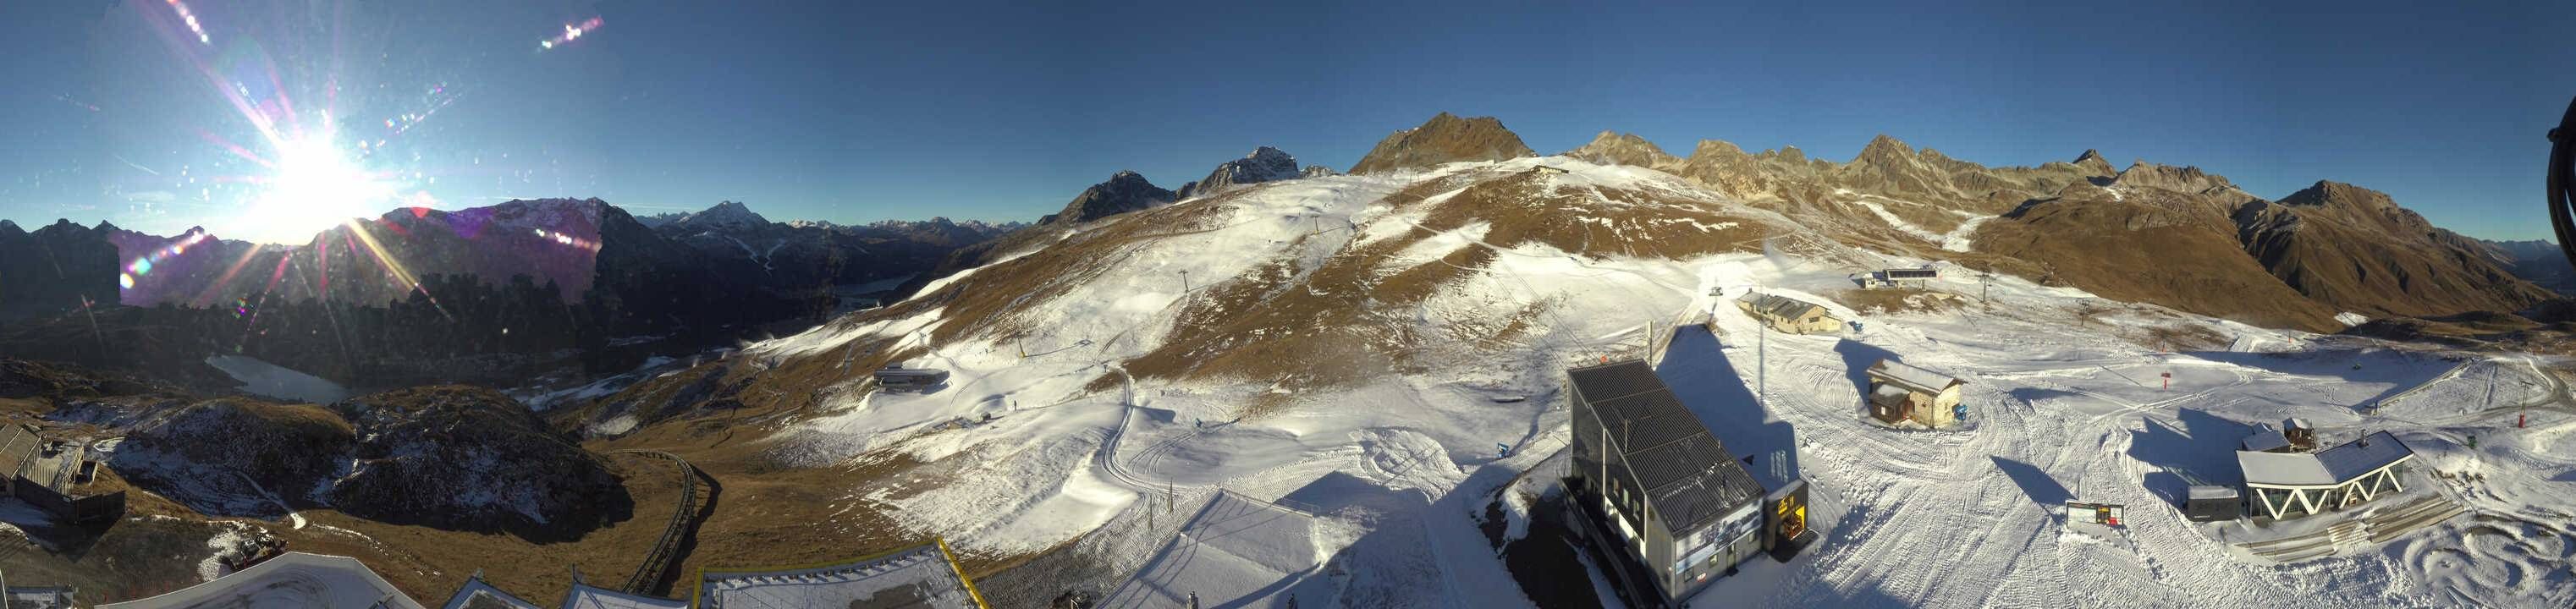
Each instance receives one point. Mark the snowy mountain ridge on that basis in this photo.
(1388, 349)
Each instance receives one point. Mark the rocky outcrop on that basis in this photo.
(451, 457)
(2190, 180)
(1612, 148)
(1265, 164)
(1125, 191)
(468, 458)
(1445, 138)
(1317, 171)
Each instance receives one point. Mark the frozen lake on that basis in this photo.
(271, 380)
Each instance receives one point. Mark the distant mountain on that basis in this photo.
(473, 295)
(725, 214)
(1124, 192)
(55, 269)
(2537, 261)
(1445, 138)
(1265, 164)
(807, 257)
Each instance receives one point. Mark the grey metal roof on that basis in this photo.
(2328, 467)
(17, 447)
(1687, 473)
(1912, 377)
(478, 594)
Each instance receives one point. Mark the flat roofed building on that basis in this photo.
(1650, 473)
(479, 594)
(293, 579)
(2288, 485)
(1900, 392)
(1789, 315)
(586, 596)
(920, 576)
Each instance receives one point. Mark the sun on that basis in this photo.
(314, 185)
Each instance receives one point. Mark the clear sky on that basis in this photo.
(850, 111)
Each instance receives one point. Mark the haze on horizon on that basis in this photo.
(150, 117)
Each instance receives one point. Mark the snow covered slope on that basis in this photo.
(1368, 346)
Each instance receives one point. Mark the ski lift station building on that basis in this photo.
(899, 378)
(1649, 477)
(2290, 485)
(1900, 392)
(1789, 315)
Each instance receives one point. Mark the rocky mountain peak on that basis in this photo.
(1317, 171)
(1788, 153)
(1446, 138)
(725, 214)
(1612, 148)
(1716, 149)
(1884, 150)
(2092, 160)
(2329, 193)
(1124, 192)
(1264, 164)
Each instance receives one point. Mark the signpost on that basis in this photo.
(2168, 380)
(2097, 513)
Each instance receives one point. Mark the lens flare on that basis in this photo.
(189, 17)
(571, 32)
(315, 186)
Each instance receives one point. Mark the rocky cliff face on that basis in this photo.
(1265, 164)
(1125, 191)
(1445, 138)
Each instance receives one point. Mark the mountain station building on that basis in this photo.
(1648, 477)
(2291, 485)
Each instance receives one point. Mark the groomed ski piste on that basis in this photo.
(1395, 472)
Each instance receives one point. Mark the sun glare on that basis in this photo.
(314, 186)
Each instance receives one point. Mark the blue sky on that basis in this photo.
(851, 112)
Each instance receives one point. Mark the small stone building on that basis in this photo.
(1900, 392)
(1789, 315)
